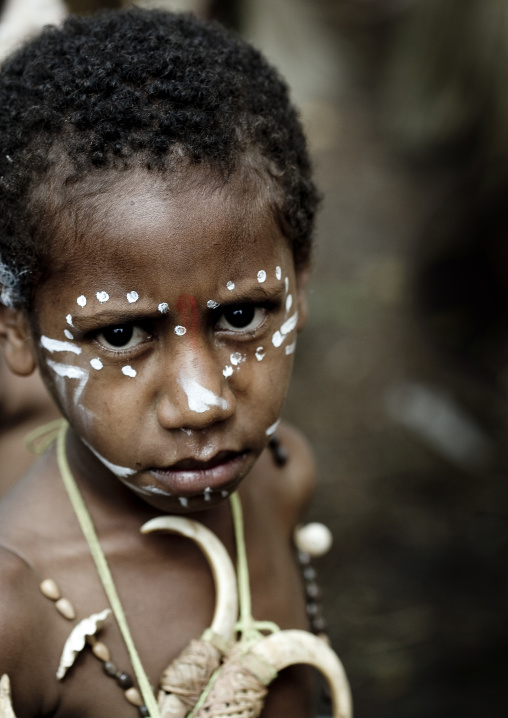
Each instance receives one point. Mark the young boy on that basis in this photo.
(155, 230)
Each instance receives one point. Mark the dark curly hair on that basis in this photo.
(123, 89)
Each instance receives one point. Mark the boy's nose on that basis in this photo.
(196, 393)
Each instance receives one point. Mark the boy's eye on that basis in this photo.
(123, 336)
(242, 317)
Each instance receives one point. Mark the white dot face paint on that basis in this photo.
(68, 319)
(54, 345)
(260, 353)
(206, 493)
(96, 363)
(81, 301)
(278, 273)
(261, 276)
(132, 297)
(211, 304)
(163, 307)
(286, 284)
(68, 334)
(184, 501)
(180, 330)
(277, 339)
(227, 371)
(230, 286)
(199, 398)
(237, 358)
(289, 302)
(273, 428)
(102, 297)
(129, 371)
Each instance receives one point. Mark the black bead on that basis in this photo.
(312, 590)
(110, 669)
(144, 712)
(124, 680)
(318, 624)
(303, 558)
(312, 608)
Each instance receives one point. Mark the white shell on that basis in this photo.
(314, 538)
(77, 640)
(6, 709)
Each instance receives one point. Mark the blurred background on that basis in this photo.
(401, 375)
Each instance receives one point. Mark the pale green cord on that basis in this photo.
(105, 576)
(247, 626)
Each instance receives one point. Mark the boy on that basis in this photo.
(157, 209)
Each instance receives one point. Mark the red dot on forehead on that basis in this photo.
(187, 308)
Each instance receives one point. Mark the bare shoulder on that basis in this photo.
(24, 632)
(290, 485)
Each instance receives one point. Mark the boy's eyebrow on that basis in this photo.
(107, 316)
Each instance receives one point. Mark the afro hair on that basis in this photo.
(121, 88)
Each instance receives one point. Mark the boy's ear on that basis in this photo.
(15, 341)
(302, 280)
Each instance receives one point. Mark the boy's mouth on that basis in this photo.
(191, 476)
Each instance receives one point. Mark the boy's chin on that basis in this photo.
(181, 505)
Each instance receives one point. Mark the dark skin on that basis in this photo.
(181, 423)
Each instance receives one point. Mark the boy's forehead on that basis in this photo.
(140, 217)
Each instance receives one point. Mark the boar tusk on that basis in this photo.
(288, 648)
(6, 709)
(226, 603)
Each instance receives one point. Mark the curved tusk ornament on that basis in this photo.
(174, 698)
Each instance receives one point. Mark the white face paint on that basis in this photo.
(290, 348)
(230, 286)
(277, 339)
(261, 276)
(102, 297)
(132, 297)
(286, 284)
(237, 358)
(54, 345)
(286, 328)
(289, 302)
(183, 500)
(68, 319)
(180, 330)
(199, 398)
(206, 493)
(68, 334)
(81, 301)
(68, 371)
(273, 428)
(278, 273)
(211, 304)
(163, 307)
(96, 363)
(260, 353)
(227, 371)
(129, 371)
(121, 471)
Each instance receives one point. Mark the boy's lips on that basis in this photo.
(191, 476)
